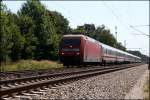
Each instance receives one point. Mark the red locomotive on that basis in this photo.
(81, 49)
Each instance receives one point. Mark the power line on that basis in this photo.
(140, 49)
(125, 24)
(140, 25)
(115, 15)
(142, 33)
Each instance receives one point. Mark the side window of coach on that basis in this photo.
(108, 51)
(103, 50)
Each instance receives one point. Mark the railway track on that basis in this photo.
(27, 73)
(24, 85)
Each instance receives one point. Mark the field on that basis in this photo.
(30, 65)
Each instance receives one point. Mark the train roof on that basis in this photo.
(117, 50)
(72, 35)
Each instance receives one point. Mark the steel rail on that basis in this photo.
(21, 88)
(12, 81)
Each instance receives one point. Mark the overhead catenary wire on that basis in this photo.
(127, 25)
(140, 25)
(141, 49)
(142, 33)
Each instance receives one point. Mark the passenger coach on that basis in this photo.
(81, 49)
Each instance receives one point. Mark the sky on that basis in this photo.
(122, 14)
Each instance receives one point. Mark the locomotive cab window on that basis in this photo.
(71, 41)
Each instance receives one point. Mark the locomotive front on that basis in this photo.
(70, 51)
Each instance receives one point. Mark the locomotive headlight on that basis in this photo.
(77, 53)
(62, 53)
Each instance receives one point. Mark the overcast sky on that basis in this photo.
(122, 14)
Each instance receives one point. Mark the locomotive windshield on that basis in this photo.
(71, 41)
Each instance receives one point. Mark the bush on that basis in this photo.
(30, 65)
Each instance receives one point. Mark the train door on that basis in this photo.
(101, 53)
(85, 51)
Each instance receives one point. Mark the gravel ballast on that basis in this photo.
(113, 85)
(137, 92)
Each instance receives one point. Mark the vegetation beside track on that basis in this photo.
(146, 89)
(30, 65)
(35, 31)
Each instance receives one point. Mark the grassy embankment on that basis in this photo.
(30, 65)
(146, 89)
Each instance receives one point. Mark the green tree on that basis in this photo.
(79, 29)
(86, 29)
(120, 46)
(27, 29)
(17, 39)
(43, 29)
(103, 35)
(60, 23)
(6, 36)
(12, 41)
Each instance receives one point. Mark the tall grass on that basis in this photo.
(146, 89)
(30, 65)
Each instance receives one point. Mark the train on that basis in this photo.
(82, 50)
